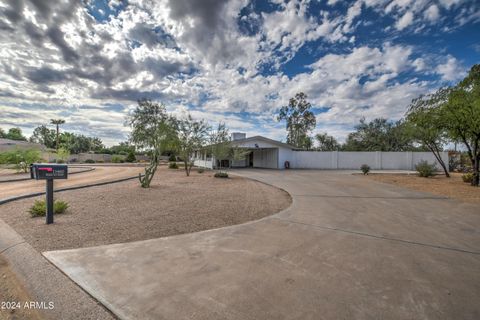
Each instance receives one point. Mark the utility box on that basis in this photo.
(48, 171)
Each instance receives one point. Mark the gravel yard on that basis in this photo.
(452, 187)
(124, 212)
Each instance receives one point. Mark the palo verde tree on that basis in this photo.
(191, 135)
(427, 123)
(299, 120)
(57, 123)
(221, 147)
(220, 143)
(461, 117)
(152, 129)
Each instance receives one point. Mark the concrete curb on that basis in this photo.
(45, 283)
(35, 194)
(24, 179)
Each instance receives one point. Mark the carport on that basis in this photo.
(259, 158)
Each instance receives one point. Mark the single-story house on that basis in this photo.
(272, 154)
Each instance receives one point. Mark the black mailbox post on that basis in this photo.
(49, 172)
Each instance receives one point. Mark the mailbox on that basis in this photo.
(47, 171)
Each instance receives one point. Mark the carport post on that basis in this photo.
(49, 199)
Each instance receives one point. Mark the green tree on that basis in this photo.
(15, 134)
(192, 135)
(43, 135)
(130, 157)
(427, 125)
(2, 134)
(379, 135)
(96, 144)
(299, 120)
(153, 129)
(21, 158)
(461, 115)
(326, 142)
(220, 144)
(123, 148)
(57, 123)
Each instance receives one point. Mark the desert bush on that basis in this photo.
(200, 170)
(20, 158)
(39, 208)
(172, 165)
(89, 161)
(117, 159)
(131, 157)
(221, 175)
(172, 158)
(425, 169)
(467, 177)
(365, 168)
(62, 155)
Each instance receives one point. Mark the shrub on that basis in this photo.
(39, 208)
(172, 158)
(20, 158)
(200, 170)
(221, 175)
(117, 159)
(62, 155)
(365, 168)
(467, 177)
(131, 157)
(425, 169)
(172, 165)
(89, 161)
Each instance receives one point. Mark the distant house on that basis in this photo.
(272, 154)
(8, 144)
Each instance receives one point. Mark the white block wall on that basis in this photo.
(353, 160)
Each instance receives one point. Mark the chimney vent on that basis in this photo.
(238, 135)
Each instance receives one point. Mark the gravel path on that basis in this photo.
(124, 212)
(9, 175)
(100, 174)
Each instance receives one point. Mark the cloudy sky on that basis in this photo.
(238, 61)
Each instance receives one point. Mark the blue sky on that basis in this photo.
(232, 61)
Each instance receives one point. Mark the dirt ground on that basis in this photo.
(124, 212)
(452, 187)
(12, 293)
(100, 174)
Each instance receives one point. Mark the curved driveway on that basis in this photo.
(347, 248)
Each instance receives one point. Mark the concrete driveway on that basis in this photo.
(347, 248)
